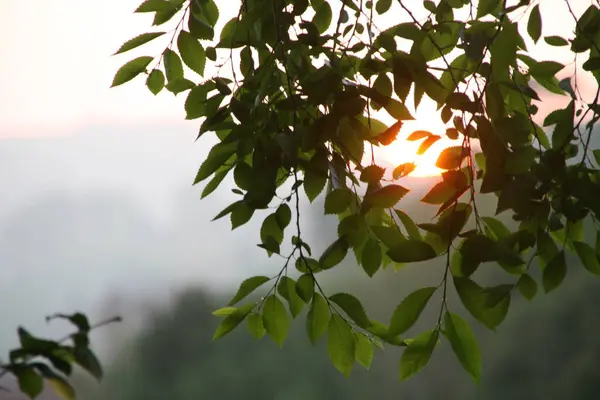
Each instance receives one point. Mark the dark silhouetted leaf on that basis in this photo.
(554, 272)
(411, 251)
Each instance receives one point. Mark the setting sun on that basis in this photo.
(404, 151)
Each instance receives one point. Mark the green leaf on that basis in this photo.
(240, 215)
(352, 307)
(527, 286)
(192, 52)
(30, 382)
(323, 16)
(337, 201)
(386, 196)
(486, 7)
(371, 257)
(217, 156)
(155, 81)
(317, 318)
(409, 310)
(62, 388)
(86, 359)
(270, 228)
(534, 25)
(254, 323)
(451, 157)
(138, 41)
(588, 257)
(283, 216)
(195, 102)
(131, 69)
(305, 287)
(154, 6)
(173, 65)
(463, 342)
(179, 85)
(232, 320)
(287, 289)
(556, 41)
(555, 272)
(363, 350)
(475, 300)
(334, 254)
(411, 251)
(382, 6)
(223, 312)
(545, 68)
(340, 345)
(417, 354)
(411, 228)
(247, 287)
(275, 319)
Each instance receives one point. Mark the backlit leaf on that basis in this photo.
(418, 135)
(427, 143)
(247, 287)
(232, 320)
(254, 323)
(451, 157)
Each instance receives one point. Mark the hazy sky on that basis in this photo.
(57, 64)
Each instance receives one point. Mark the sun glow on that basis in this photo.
(404, 151)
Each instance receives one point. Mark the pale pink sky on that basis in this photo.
(57, 65)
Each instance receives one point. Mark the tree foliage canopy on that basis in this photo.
(296, 92)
